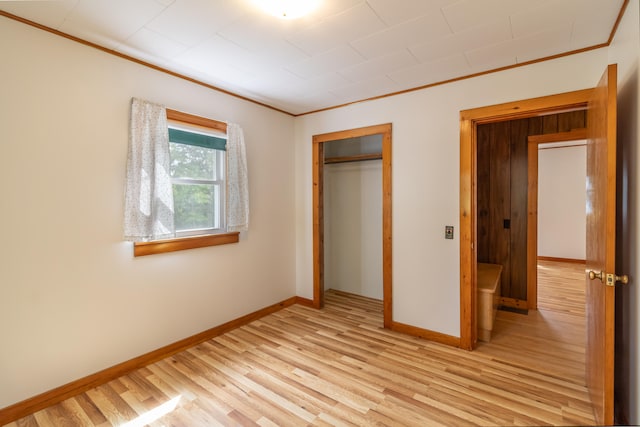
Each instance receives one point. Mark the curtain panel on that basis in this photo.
(149, 212)
(237, 180)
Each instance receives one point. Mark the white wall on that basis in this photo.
(353, 227)
(562, 198)
(425, 177)
(625, 51)
(73, 300)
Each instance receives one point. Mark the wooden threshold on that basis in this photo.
(52, 397)
(514, 303)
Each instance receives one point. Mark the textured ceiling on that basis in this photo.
(345, 51)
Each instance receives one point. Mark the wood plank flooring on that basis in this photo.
(337, 366)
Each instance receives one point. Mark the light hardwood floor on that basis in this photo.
(337, 366)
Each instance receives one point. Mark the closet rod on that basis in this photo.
(354, 158)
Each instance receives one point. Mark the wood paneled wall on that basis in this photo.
(502, 193)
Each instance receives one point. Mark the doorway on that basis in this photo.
(506, 162)
(568, 139)
(318, 151)
(600, 103)
(353, 215)
(470, 120)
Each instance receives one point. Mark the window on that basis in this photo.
(197, 178)
(198, 169)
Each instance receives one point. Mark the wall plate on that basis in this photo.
(448, 232)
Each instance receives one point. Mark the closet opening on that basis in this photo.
(353, 216)
(352, 248)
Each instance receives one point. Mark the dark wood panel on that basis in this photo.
(550, 123)
(484, 193)
(571, 120)
(500, 207)
(535, 126)
(519, 209)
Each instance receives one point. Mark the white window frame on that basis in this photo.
(219, 181)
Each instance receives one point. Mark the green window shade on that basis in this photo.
(197, 139)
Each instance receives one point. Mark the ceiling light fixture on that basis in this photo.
(288, 9)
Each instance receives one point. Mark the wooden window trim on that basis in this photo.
(182, 243)
(191, 242)
(192, 119)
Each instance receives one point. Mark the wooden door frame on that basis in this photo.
(318, 212)
(469, 121)
(532, 205)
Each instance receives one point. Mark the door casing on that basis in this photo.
(469, 121)
(318, 213)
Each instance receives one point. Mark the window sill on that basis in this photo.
(182, 243)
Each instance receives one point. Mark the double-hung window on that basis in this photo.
(189, 190)
(198, 179)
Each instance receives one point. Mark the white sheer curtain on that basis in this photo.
(237, 181)
(148, 203)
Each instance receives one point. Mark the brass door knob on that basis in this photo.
(624, 279)
(611, 279)
(593, 275)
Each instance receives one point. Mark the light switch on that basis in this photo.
(448, 232)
